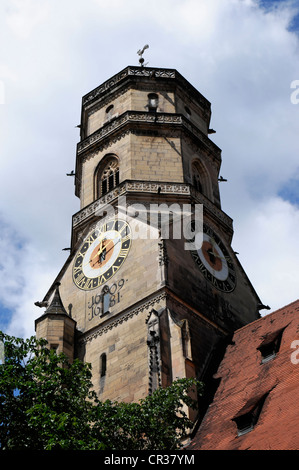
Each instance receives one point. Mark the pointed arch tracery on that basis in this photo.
(107, 175)
(200, 178)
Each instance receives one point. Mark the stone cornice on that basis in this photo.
(135, 73)
(163, 295)
(141, 123)
(137, 119)
(131, 187)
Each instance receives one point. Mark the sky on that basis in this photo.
(242, 55)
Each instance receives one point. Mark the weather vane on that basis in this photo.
(140, 53)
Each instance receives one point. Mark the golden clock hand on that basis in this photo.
(105, 247)
(101, 239)
(211, 249)
(218, 256)
(213, 243)
(119, 239)
(214, 249)
(100, 251)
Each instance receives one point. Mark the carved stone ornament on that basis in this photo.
(150, 187)
(154, 354)
(135, 117)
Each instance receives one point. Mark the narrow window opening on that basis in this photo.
(103, 365)
(109, 111)
(106, 303)
(153, 100)
(188, 112)
(104, 186)
(196, 180)
(111, 181)
(117, 177)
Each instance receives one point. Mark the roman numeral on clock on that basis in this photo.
(123, 252)
(89, 276)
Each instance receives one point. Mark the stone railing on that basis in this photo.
(139, 117)
(130, 187)
(146, 72)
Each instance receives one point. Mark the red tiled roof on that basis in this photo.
(245, 379)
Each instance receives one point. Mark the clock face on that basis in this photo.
(102, 254)
(214, 261)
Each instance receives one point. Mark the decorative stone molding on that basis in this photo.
(144, 73)
(137, 186)
(129, 186)
(108, 85)
(138, 117)
(164, 295)
(154, 352)
(153, 186)
(163, 261)
(163, 257)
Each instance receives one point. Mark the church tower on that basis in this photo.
(138, 305)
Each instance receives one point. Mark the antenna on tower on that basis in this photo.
(141, 52)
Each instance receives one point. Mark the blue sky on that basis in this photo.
(242, 55)
(270, 4)
(290, 191)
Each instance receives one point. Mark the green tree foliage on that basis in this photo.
(48, 403)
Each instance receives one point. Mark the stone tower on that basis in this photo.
(143, 309)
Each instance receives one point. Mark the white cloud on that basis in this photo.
(25, 274)
(25, 15)
(238, 55)
(267, 242)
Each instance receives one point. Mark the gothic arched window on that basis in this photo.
(108, 176)
(196, 178)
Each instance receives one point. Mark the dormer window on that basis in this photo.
(270, 346)
(248, 417)
(153, 100)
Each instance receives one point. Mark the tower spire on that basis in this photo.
(56, 305)
(57, 327)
